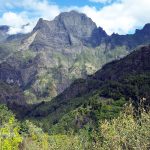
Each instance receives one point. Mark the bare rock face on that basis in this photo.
(69, 29)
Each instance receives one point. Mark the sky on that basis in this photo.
(114, 16)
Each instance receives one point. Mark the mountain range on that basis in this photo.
(40, 65)
(118, 82)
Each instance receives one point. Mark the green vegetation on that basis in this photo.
(10, 92)
(7, 49)
(88, 114)
(126, 132)
(119, 132)
(117, 53)
(9, 130)
(130, 86)
(45, 74)
(61, 114)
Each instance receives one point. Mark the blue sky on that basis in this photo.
(7, 5)
(72, 2)
(119, 16)
(79, 3)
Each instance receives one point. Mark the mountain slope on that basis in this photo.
(124, 79)
(136, 63)
(57, 52)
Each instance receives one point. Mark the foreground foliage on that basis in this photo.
(10, 138)
(123, 132)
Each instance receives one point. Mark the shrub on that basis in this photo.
(125, 132)
(10, 138)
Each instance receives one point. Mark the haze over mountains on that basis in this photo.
(43, 63)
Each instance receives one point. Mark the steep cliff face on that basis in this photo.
(55, 53)
(11, 85)
(67, 30)
(11, 94)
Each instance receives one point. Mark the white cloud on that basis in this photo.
(122, 16)
(32, 11)
(101, 1)
(41, 8)
(16, 21)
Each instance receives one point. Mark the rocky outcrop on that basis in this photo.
(69, 29)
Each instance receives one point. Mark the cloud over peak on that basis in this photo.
(122, 16)
(119, 16)
(16, 21)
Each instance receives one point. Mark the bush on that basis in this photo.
(125, 132)
(10, 139)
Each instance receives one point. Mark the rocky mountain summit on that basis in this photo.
(65, 31)
(68, 30)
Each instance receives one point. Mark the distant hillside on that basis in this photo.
(121, 80)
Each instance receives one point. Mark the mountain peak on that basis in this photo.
(66, 30)
(71, 13)
(75, 18)
(40, 24)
